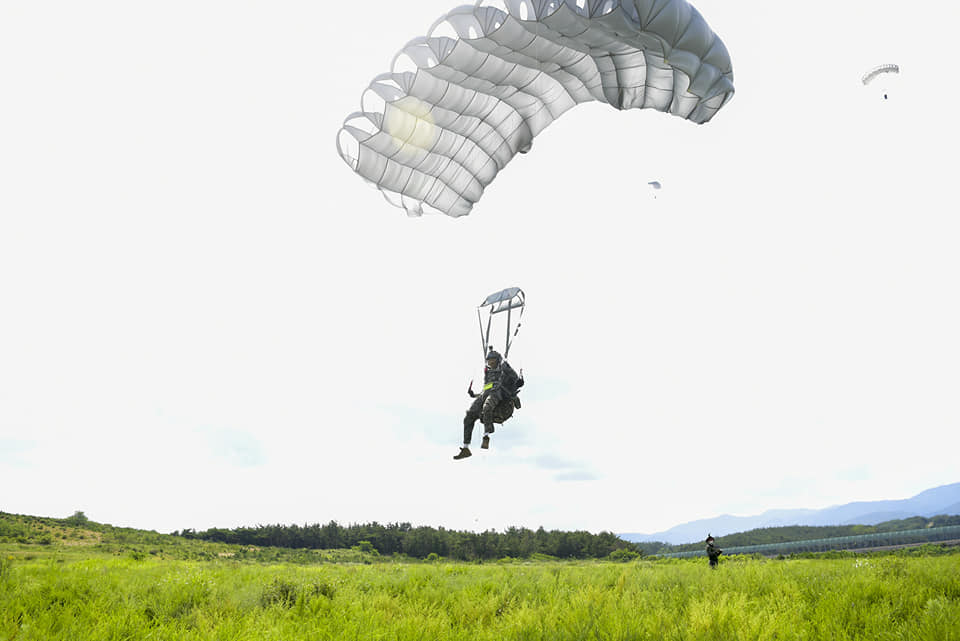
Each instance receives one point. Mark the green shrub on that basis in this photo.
(279, 592)
(78, 519)
(623, 555)
(366, 547)
(324, 589)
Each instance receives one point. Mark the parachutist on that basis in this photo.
(498, 400)
(495, 404)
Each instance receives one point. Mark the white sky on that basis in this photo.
(207, 320)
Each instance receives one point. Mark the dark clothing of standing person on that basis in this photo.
(494, 404)
(713, 552)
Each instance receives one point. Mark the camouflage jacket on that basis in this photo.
(502, 378)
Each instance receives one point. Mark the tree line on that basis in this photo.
(421, 542)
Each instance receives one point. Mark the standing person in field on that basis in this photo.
(500, 385)
(713, 553)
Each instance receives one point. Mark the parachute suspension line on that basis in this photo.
(515, 331)
(482, 339)
(486, 337)
(506, 349)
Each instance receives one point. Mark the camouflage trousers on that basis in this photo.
(490, 407)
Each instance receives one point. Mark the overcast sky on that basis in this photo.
(206, 319)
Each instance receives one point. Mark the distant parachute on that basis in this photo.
(876, 71)
(461, 102)
(655, 184)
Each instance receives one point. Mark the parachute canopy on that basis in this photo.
(655, 184)
(876, 71)
(506, 300)
(461, 102)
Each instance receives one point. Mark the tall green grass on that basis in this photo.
(113, 598)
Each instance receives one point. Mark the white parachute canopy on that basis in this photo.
(462, 101)
(510, 302)
(876, 71)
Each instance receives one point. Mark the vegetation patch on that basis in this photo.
(134, 584)
(95, 596)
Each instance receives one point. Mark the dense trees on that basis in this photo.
(521, 543)
(420, 542)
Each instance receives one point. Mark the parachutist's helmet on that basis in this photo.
(709, 539)
(493, 359)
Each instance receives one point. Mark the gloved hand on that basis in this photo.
(470, 391)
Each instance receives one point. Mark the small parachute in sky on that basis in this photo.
(461, 102)
(655, 184)
(878, 71)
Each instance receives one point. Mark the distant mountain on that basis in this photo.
(939, 500)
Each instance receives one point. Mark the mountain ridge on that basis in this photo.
(943, 499)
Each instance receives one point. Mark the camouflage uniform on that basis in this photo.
(496, 403)
(713, 553)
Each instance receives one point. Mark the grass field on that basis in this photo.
(56, 592)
